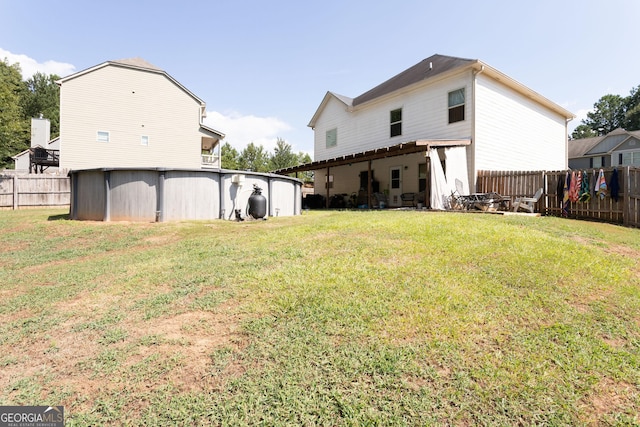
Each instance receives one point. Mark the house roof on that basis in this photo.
(132, 63)
(432, 68)
(423, 70)
(211, 132)
(581, 147)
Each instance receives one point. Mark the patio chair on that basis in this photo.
(459, 201)
(408, 199)
(527, 203)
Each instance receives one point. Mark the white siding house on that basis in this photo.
(440, 102)
(129, 113)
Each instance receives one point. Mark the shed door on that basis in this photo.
(395, 186)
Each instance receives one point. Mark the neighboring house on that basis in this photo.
(27, 161)
(617, 148)
(442, 108)
(129, 113)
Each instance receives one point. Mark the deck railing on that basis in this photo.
(210, 159)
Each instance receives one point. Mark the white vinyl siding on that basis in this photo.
(128, 102)
(424, 116)
(515, 133)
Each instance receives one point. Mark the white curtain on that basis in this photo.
(457, 173)
(440, 191)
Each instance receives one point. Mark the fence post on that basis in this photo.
(15, 192)
(626, 197)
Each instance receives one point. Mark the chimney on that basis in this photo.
(40, 132)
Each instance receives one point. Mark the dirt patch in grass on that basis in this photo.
(609, 398)
(194, 336)
(174, 351)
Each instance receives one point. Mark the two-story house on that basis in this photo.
(445, 116)
(129, 113)
(617, 148)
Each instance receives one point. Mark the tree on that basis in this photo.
(608, 114)
(43, 97)
(14, 127)
(583, 131)
(282, 156)
(230, 158)
(632, 106)
(306, 176)
(254, 158)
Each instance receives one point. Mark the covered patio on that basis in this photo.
(428, 148)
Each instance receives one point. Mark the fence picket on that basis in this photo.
(20, 191)
(625, 210)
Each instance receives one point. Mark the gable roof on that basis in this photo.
(135, 64)
(581, 147)
(423, 70)
(429, 69)
(348, 102)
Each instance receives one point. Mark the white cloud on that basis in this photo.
(30, 66)
(241, 130)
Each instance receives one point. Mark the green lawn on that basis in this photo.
(328, 318)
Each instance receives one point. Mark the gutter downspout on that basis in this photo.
(474, 174)
(566, 145)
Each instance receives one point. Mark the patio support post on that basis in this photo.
(327, 184)
(369, 186)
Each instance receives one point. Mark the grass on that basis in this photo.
(329, 318)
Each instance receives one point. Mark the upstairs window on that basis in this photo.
(102, 136)
(332, 138)
(396, 122)
(144, 140)
(456, 106)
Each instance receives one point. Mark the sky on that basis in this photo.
(263, 67)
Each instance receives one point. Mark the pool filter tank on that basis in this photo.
(257, 203)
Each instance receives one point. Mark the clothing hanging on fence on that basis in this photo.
(560, 190)
(614, 185)
(565, 195)
(601, 185)
(592, 189)
(573, 187)
(585, 195)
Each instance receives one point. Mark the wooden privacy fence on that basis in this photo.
(623, 210)
(24, 191)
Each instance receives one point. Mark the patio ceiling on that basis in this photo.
(410, 147)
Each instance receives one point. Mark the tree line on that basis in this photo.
(609, 113)
(255, 158)
(20, 100)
